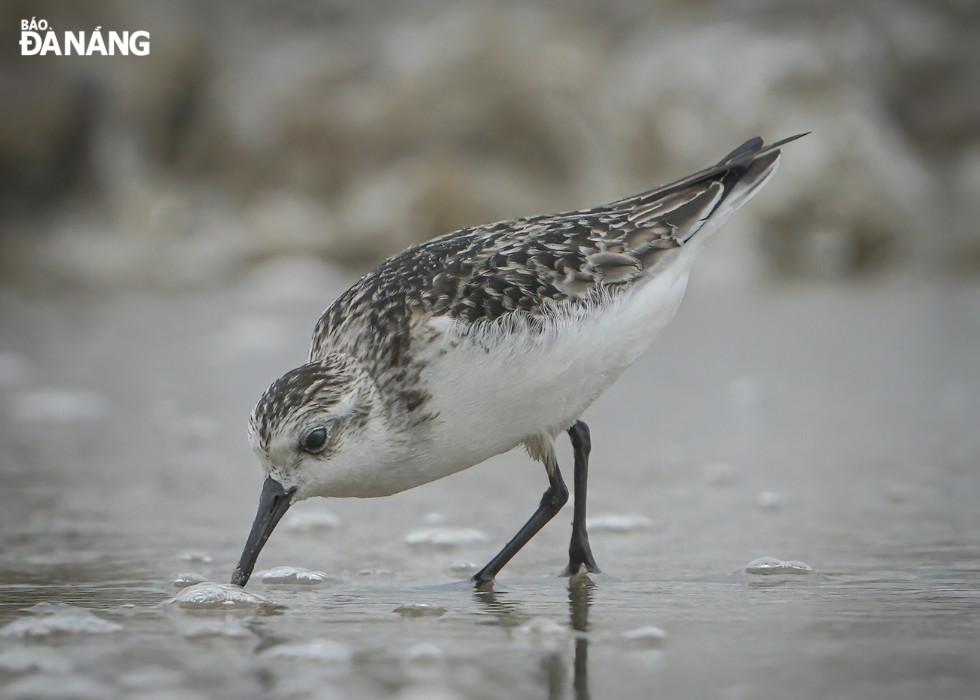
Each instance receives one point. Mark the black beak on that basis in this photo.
(273, 504)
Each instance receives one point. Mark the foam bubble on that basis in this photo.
(645, 637)
(21, 659)
(771, 500)
(444, 537)
(311, 521)
(420, 610)
(188, 579)
(463, 567)
(618, 522)
(207, 629)
(220, 596)
(58, 619)
(768, 566)
(61, 406)
(53, 687)
(315, 650)
(543, 627)
(196, 557)
(292, 575)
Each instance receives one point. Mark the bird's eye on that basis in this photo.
(315, 440)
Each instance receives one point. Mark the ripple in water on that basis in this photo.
(220, 596)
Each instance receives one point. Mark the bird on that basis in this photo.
(483, 339)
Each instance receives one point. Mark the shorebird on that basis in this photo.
(484, 339)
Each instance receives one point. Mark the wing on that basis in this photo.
(529, 265)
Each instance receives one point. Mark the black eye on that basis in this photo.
(315, 440)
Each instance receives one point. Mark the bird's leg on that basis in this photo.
(579, 551)
(551, 502)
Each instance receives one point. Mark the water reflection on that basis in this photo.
(508, 613)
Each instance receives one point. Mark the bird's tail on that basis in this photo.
(700, 203)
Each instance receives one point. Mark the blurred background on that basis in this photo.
(348, 130)
(172, 225)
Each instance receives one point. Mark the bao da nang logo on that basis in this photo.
(37, 38)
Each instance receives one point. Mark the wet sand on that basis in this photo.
(831, 424)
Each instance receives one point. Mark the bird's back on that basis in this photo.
(527, 273)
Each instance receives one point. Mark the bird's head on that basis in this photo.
(313, 430)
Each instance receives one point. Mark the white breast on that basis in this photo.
(494, 389)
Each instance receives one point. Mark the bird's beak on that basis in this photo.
(273, 503)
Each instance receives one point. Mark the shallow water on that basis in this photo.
(830, 425)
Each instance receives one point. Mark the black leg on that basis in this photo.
(579, 551)
(554, 498)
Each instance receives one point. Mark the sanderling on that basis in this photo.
(480, 340)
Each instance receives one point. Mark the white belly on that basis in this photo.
(493, 392)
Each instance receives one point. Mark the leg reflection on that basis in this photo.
(579, 601)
